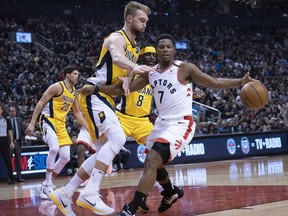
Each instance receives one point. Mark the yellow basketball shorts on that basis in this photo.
(54, 130)
(136, 127)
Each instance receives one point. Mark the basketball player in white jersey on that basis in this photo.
(174, 128)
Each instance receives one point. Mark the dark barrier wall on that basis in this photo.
(221, 147)
(201, 149)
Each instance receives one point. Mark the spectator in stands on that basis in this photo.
(224, 128)
(212, 128)
(232, 126)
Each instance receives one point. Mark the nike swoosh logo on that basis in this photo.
(92, 204)
(65, 205)
(47, 194)
(181, 122)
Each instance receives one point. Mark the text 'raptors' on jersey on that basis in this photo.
(173, 98)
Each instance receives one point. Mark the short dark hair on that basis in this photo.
(166, 36)
(70, 69)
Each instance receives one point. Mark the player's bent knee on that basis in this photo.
(81, 147)
(153, 161)
(65, 159)
(118, 142)
(150, 166)
(53, 150)
(88, 164)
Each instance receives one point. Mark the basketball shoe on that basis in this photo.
(127, 210)
(45, 190)
(94, 204)
(62, 201)
(143, 206)
(169, 199)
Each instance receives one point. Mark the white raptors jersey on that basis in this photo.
(173, 98)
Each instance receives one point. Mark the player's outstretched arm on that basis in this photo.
(205, 80)
(114, 89)
(52, 91)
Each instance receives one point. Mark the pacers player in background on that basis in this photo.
(54, 106)
(133, 110)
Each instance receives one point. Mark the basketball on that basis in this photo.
(254, 95)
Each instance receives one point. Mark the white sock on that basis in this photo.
(72, 185)
(48, 178)
(94, 182)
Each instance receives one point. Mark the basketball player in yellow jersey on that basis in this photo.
(134, 109)
(118, 58)
(54, 106)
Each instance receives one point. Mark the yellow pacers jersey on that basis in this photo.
(107, 72)
(59, 106)
(136, 103)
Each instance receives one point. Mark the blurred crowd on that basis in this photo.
(230, 8)
(221, 51)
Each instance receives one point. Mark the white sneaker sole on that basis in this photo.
(93, 209)
(60, 207)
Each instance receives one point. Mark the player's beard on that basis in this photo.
(136, 32)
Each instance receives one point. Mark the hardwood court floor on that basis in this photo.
(251, 186)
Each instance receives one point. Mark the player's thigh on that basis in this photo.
(142, 130)
(49, 132)
(178, 135)
(104, 117)
(62, 134)
(84, 138)
(126, 123)
(98, 143)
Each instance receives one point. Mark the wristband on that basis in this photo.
(96, 89)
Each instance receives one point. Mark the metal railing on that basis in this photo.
(43, 42)
(210, 113)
